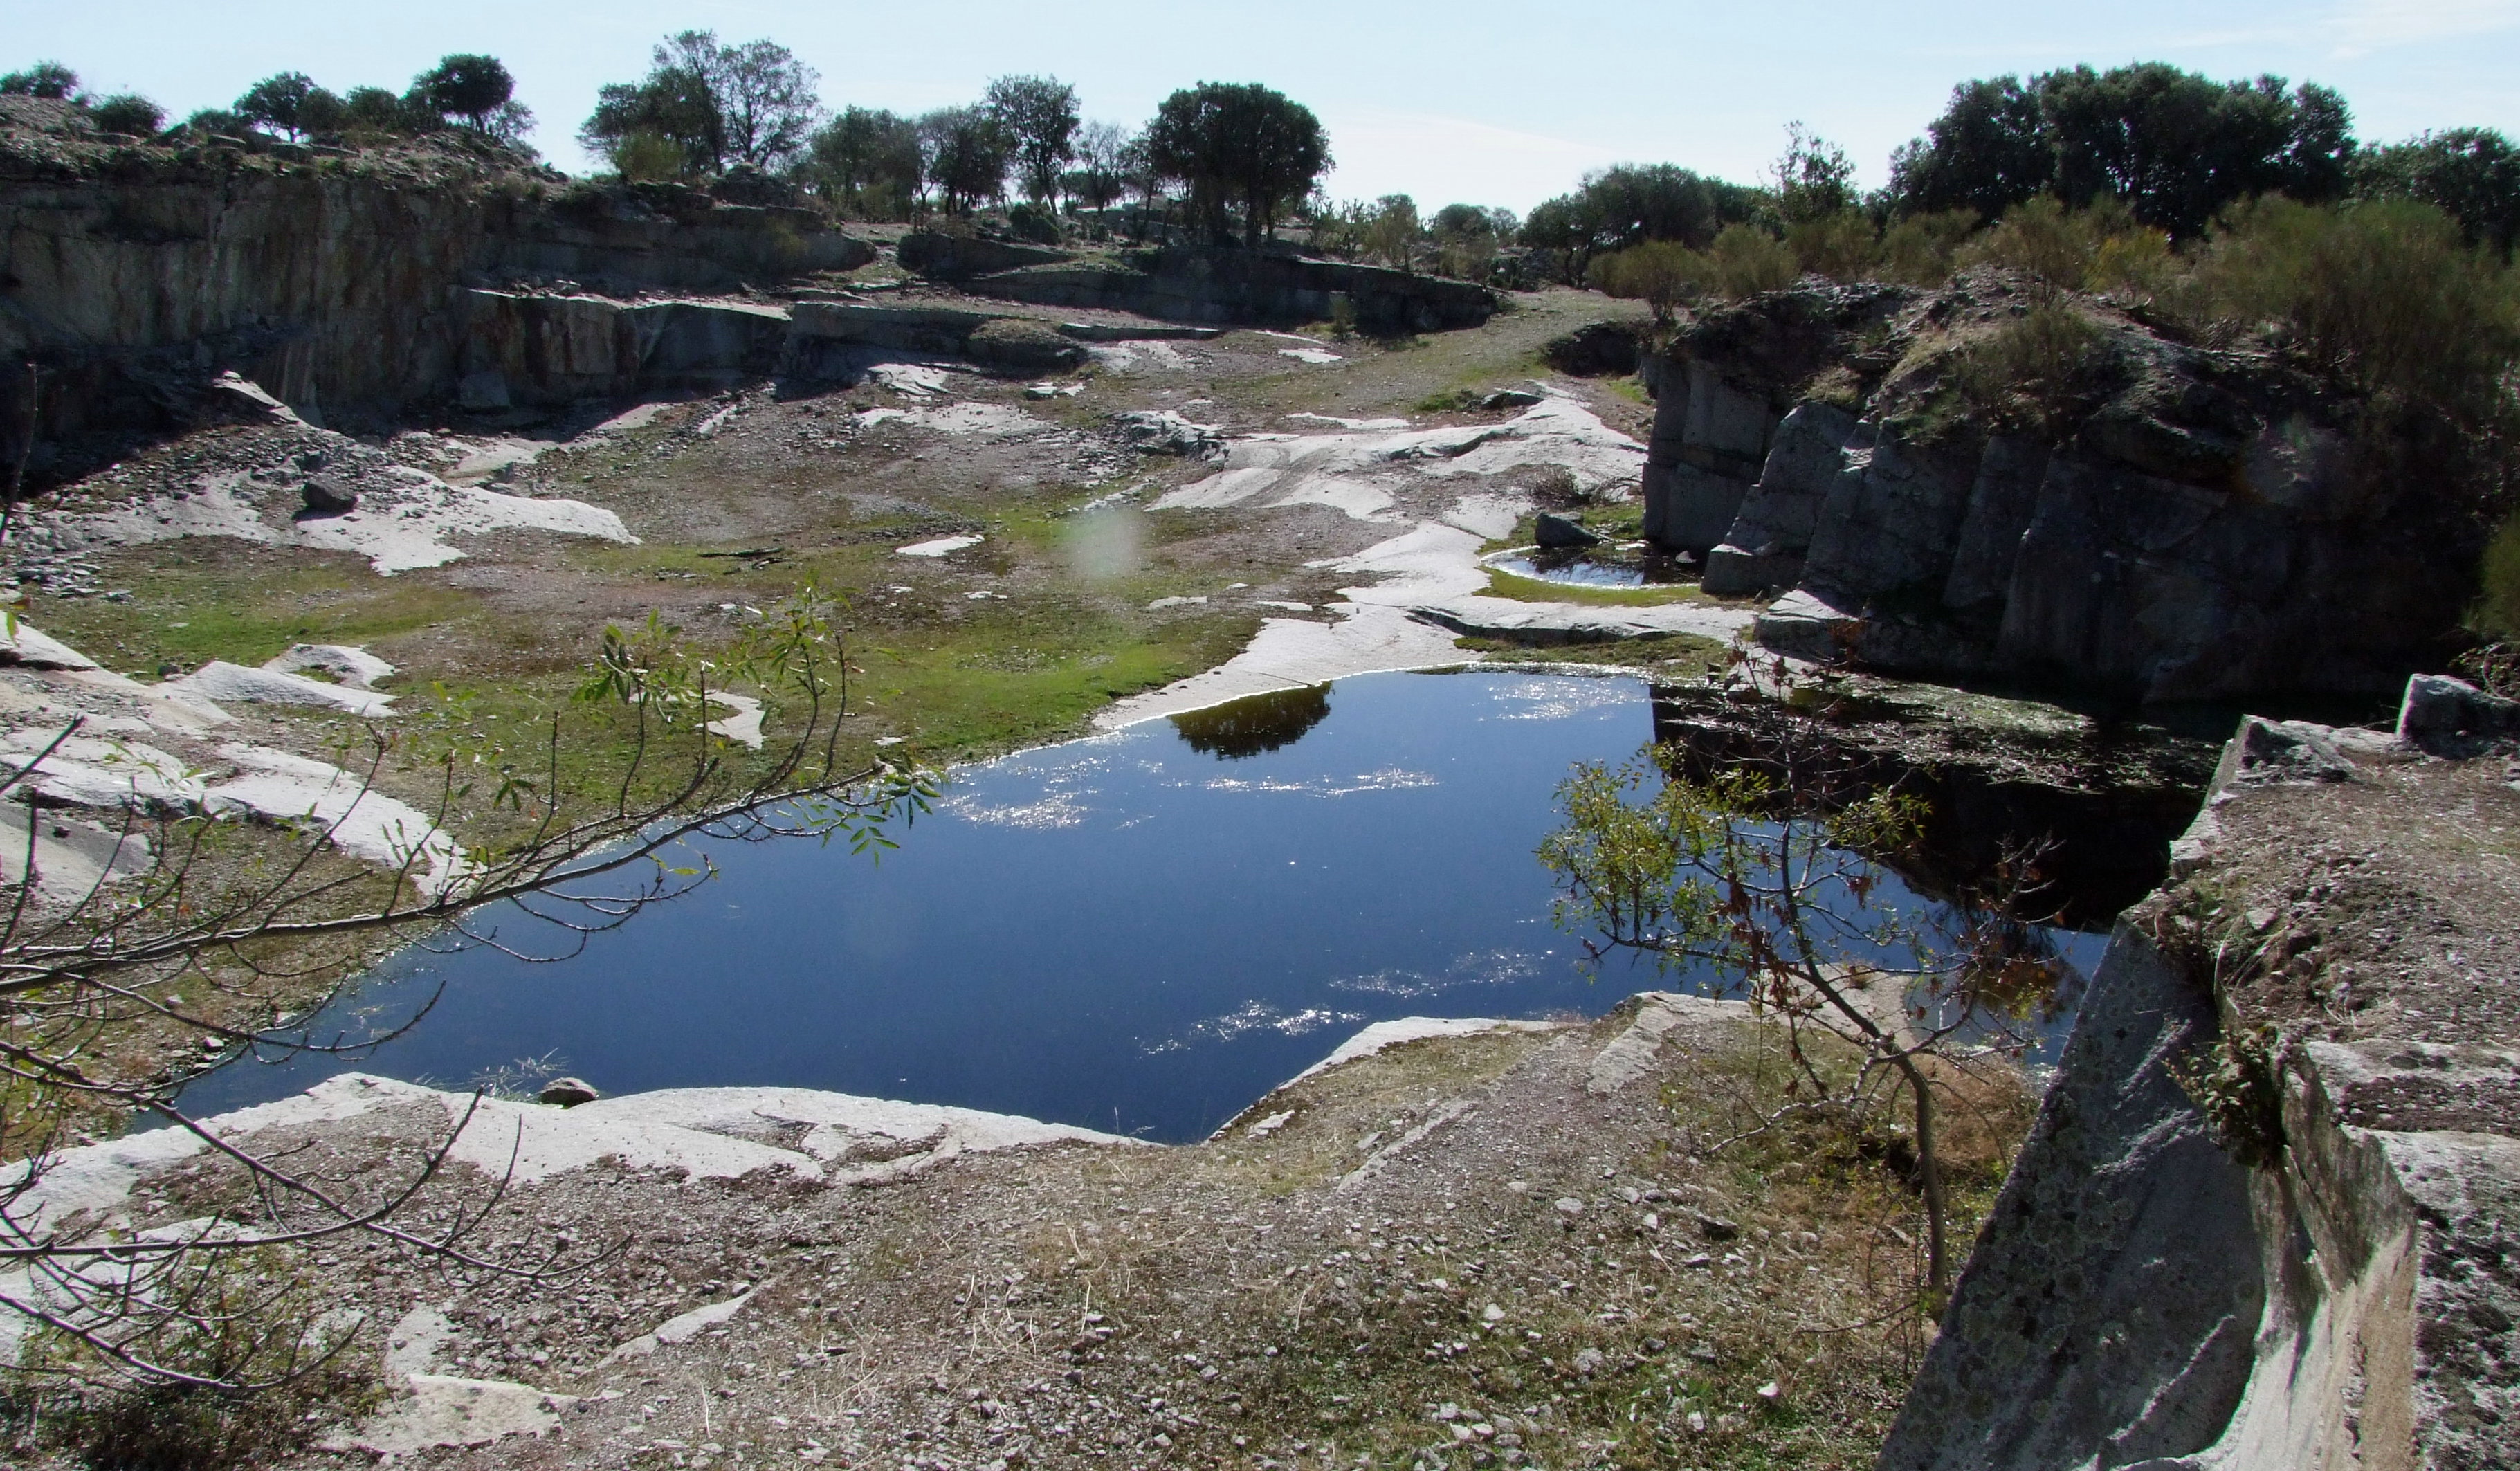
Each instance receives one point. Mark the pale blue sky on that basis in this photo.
(1491, 102)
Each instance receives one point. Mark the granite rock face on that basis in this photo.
(2350, 1296)
(1722, 390)
(1219, 284)
(2197, 526)
(338, 281)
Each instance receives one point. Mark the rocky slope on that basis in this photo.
(1454, 1244)
(2142, 517)
(2318, 1269)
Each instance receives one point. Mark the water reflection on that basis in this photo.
(1593, 568)
(1256, 724)
(1117, 932)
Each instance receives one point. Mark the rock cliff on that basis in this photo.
(2174, 522)
(1202, 283)
(2316, 1267)
(334, 279)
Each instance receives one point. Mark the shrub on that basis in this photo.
(257, 1320)
(129, 112)
(1745, 260)
(1391, 234)
(1661, 273)
(2039, 240)
(2137, 265)
(2032, 372)
(648, 157)
(49, 80)
(2497, 613)
(1037, 223)
(1920, 250)
(1841, 246)
(2383, 294)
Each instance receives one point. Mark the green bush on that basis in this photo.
(1841, 246)
(2032, 372)
(1920, 250)
(648, 156)
(2497, 613)
(1661, 273)
(1037, 223)
(128, 112)
(1745, 260)
(2384, 295)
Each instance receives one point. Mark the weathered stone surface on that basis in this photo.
(1765, 546)
(2280, 750)
(330, 287)
(1888, 526)
(1136, 332)
(1596, 349)
(1721, 391)
(958, 258)
(330, 495)
(2000, 503)
(1561, 533)
(2377, 1239)
(2108, 1311)
(567, 1092)
(1014, 344)
(1805, 625)
(1151, 432)
(2446, 715)
(552, 349)
(2204, 530)
(1222, 284)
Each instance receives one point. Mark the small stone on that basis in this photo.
(1568, 1205)
(567, 1092)
(330, 495)
(1557, 532)
(1589, 1361)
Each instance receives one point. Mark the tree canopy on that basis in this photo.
(719, 105)
(2174, 147)
(1633, 202)
(867, 161)
(474, 88)
(2470, 174)
(966, 152)
(1239, 143)
(1039, 117)
(278, 103)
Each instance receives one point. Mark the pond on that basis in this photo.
(1595, 568)
(1141, 932)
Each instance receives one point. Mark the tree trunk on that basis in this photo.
(1930, 1171)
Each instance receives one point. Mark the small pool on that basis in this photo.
(1593, 567)
(1141, 932)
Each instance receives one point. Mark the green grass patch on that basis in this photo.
(204, 600)
(1502, 584)
(1673, 657)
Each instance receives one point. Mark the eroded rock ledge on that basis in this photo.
(2350, 1296)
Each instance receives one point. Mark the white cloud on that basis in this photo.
(1442, 160)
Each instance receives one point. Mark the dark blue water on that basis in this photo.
(1141, 932)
